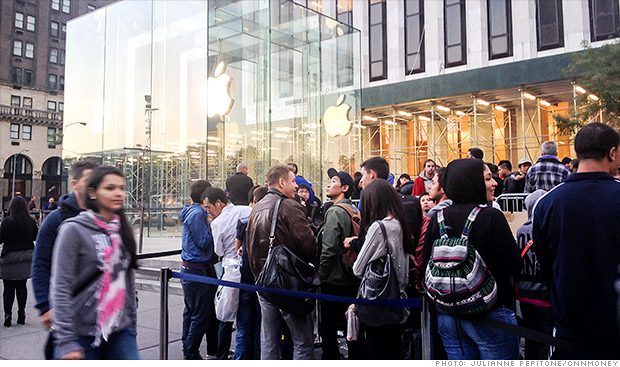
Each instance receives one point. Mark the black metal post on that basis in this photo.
(165, 276)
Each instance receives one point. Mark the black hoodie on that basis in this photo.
(463, 183)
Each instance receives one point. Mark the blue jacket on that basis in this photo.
(300, 180)
(196, 240)
(576, 235)
(42, 259)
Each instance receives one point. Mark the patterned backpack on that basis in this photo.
(457, 279)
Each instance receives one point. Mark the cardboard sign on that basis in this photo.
(515, 220)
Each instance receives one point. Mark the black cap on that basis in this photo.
(345, 178)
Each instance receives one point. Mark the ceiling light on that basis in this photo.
(443, 108)
(370, 118)
(580, 89)
(460, 113)
(528, 96)
(389, 122)
(403, 113)
(545, 103)
(482, 102)
(593, 97)
(424, 118)
(500, 108)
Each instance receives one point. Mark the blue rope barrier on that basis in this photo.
(407, 302)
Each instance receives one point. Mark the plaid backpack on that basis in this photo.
(457, 279)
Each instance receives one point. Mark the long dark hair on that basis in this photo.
(18, 209)
(380, 199)
(126, 230)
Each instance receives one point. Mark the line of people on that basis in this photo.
(563, 264)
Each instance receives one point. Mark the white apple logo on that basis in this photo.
(336, 118)
(219, 101)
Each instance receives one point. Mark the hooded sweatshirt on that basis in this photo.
(463, 183)
(76, 275)
(42, 258)
(196, 240)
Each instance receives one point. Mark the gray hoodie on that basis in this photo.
(76, 264)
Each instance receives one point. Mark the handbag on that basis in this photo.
(285, 270)
(227, 298)
(380, 282)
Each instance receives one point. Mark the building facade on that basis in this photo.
(32, 79)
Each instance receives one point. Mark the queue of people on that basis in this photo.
(427, 238)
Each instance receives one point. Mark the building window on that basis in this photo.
(14, 131)
(53, 83)
(315, 5)
(28, 102)
(29, 50)
(55, 4)
(17, 75)
(500, 28)
(54, 55)
(414, 36)
(66, 6)
(54, 29)
(51, 135)
(604, 19)
(62, 57)
(549, 24)
(63, 31)
(28, 77)
(61, 81)
(27, 132)
(344, 11)
(455, 27)
(19, 20)
(51, 106)
(17, 47)
(377, 40)
(16, 101)
(31, 23)
(61, 107)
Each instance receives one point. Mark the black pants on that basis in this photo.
(13, 288)
(539, 319)
(382, 342)
(333, 319)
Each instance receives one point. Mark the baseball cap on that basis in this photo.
(524, 161)
(345, 178)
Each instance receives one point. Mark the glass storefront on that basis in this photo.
(173, 91)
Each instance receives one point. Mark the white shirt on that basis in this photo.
(224, 229)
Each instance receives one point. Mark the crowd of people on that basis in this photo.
(428, 237)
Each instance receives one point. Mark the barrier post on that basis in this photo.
(427, 338)
(165, 276)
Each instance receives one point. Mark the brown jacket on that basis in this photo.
(292, 230)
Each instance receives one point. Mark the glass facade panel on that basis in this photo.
(176, 91)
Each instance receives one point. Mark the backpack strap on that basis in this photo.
(442, 224)
(348, 210)
(385, 238)
(470, 221)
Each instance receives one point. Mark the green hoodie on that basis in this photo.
(336, 228)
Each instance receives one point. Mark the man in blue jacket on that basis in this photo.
(577, 239)
(299, 180)
(196, 253)
(70, 206)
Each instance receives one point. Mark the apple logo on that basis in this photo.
(219, 100)
(336, 118)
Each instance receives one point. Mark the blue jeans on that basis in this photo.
(248, 326)
(121, 345)
(199, 311)
(479, 342)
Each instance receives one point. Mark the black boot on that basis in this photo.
(7, 320)
(21, 318)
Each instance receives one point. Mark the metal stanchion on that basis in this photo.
(427, 338)
(165, 276)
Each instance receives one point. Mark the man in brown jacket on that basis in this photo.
(292, 230)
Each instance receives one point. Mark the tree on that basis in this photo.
(599, 73)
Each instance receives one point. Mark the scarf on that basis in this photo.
(111, 294)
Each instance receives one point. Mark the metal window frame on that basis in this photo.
(559, 25)
(421, 45)
(508, 33)
(463, 42)
(383, 25)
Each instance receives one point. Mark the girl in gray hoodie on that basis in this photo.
(93, 280)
